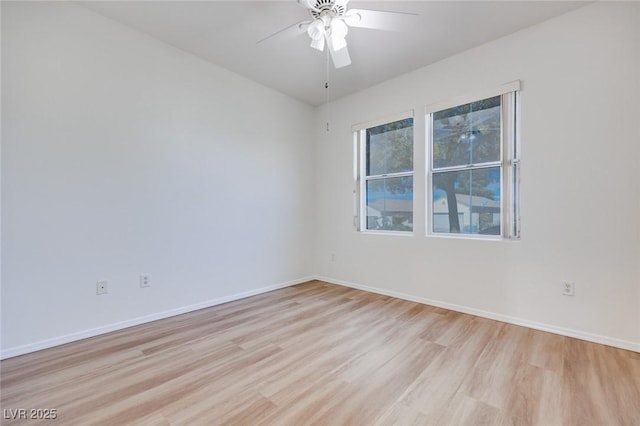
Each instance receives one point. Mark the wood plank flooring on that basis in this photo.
(323, 354)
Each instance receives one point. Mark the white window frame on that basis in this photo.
(509, 162)
(361, 179)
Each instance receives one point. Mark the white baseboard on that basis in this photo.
(595, 338)
(61, 340)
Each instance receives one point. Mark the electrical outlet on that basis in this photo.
(568, 288)
(101, 287)
(145, 281)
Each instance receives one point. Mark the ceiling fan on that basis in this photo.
(330, 22)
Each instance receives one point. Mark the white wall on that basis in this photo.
(122, 155)
(580, 183)
(637, 177)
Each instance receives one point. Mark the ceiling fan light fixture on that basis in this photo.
(339, 28)
(318, 43)
(316, 29)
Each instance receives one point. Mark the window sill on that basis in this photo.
(473, 237)
(391, 233)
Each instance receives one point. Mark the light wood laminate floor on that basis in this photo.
(318, 353)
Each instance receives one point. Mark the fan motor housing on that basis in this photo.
(325, 6)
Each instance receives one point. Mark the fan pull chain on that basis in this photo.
(326, 87)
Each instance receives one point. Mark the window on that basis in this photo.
(386, 177)
(469, 183)
(473, 168)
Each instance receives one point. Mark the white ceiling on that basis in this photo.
(226, 33)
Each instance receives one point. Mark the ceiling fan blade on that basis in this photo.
(380, 20)
(309, 4)
(288, 32)
(340, 57)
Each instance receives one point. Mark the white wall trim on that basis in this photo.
(589, 337)
(61, 340)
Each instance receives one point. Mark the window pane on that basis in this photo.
(467, 202)
(467, 134)
(390, 148)
(390, 204)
